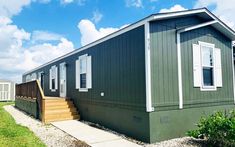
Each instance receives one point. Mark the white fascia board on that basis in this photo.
(175, 14)
(220, 22)
(197, 26)
(149, 107)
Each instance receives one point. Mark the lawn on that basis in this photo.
(14, 135)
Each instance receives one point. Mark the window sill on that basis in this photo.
(208, 88)
(83, 90)
(53, 90)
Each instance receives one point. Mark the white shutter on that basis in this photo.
(218, 68)
(89, 72)
(77, 75)
(50, 77)
(56, 77)
(197, 69)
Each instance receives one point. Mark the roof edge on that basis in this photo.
(156, 16)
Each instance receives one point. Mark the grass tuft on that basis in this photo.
(12, 134)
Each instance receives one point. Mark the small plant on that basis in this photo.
(218, 129)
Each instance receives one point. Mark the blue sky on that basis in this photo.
(33, 32)
(63, 18)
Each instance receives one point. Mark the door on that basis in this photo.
(4, 91)
(62, 80)
(41, 79)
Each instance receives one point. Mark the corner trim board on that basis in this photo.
(149, 107)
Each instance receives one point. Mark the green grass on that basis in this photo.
(14, 135)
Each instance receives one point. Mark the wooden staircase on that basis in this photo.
(58, 109)
(49, 108)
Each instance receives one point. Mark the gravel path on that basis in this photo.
(179, 142)
(49, 134)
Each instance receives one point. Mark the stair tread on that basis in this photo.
(60, 111)
(61, 117)
(59, 103)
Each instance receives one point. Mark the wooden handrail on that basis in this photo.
(29, 90)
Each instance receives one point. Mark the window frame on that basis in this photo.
(206, 87)
(83, 57)
(53, 69)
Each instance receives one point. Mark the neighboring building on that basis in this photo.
(152, 80)
(7, 90)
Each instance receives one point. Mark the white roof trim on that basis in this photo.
(175, 14)
(135, 25)
(197, 26)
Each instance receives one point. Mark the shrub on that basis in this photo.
(218, 129)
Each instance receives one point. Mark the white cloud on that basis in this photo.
(90, 33)
(66, 1)
(79, 2)
(176, 7)
(12, 7)
(224, 9)
(15, 58)
(40, 35)
(97, 16)
(134, 3)
(42, 53)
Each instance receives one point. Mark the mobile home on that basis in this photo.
(151, 80)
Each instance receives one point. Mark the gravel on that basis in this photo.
(49, 134)
(179, 142)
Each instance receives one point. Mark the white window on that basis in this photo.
(33, 76)
(53, 78)
(83, 73)
(207, 66)
(28, 78)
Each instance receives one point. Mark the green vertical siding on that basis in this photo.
(165, 124)
(193, 95)
(164, 61)
(164, 64)
(118, 70)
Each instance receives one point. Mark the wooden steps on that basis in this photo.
(58, 109)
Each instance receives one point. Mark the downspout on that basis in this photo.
(149, 107)
(178, 32)
(180, 87)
